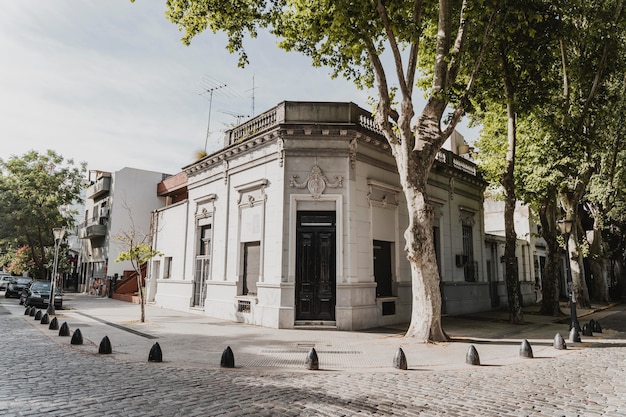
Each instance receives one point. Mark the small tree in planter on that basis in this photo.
(137, 252)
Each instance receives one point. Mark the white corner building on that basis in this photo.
(299, 220)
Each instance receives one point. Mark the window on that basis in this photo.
(470, 268)
(203, 262)
(382, 268)
(251, 267)
(204, 248)
(167, 267)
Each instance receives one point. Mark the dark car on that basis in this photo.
(38, 293)
(16, 286)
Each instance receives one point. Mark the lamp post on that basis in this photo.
(58, 233)
(565, 227)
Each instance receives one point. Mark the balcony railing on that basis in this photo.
(456, 161)
(100, 187)
(93, 229)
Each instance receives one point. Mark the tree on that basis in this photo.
(515, 65)
(592, 50)
(138, 252)
(367, 41)
(35, 190)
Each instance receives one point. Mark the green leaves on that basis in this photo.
(138, 254)
(35, 191)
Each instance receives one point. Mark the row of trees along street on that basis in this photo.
(544, 78)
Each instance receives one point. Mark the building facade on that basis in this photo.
(530, 251)
(299, 220)
(115, 203)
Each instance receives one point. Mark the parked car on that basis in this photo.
(16, 286)
(4, 281)
(38, 293)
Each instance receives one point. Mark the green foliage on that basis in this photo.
(22, 262)
(35, 188)
(138, 254)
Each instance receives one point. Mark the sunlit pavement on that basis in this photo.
(47, 375)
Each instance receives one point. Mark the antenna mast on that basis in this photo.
(208, 126)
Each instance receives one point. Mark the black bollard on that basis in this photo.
(228, 358)
(38, 315)
(312, 363)
(597, 328)
(32, 311)
(574, 336)
(592, 324)
(399, 360)
(155, 355)
(559, 343)
(77, 338)
(105, 346)
(64, 330)
(27, 311)
(472, 357)
(587, 330)
(525, 351)
(54, 324)
(45, 319)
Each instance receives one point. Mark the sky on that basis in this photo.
(110, 83)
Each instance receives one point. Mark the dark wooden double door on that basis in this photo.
(315, 266)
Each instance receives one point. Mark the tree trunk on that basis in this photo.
(550, 281)
(514, 298)
(600, 286)
(141, 300)
(597, 261)
(426, 312)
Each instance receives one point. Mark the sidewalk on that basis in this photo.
(195, 340)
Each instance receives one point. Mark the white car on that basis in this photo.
(4, 281)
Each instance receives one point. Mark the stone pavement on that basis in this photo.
(43, 374)
(197, 341)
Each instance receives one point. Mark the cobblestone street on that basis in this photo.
(42, 377)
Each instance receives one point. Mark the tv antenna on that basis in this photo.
(237, 116)
(209, 86)
(252, 94)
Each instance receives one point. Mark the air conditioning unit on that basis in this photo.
(462, 260)
(104, 212)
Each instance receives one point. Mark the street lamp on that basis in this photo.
(58, 233)
(565, 227)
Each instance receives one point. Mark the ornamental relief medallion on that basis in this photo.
(316, 182)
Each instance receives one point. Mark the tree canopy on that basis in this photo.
(36, 191)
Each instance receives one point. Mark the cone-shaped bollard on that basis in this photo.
(596, 327)
(228, 358)
(64, 330)
(472, 357)
(77, 338)
(54, 324)
(32, 311)
(587, 330)
(525, 351)
(38, 315)
(27, 311)
(312, 363)
(45, 319)
(399, 360)
(155, 355)
(574, 336)
(559, 342)
(105, 346)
